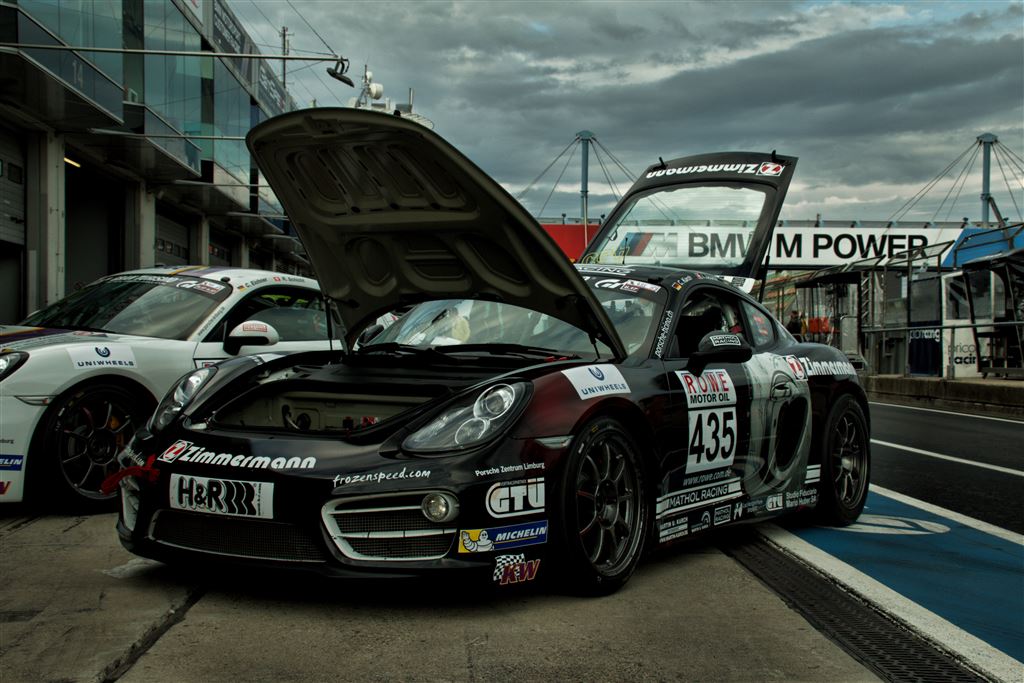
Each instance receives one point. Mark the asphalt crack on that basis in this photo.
(175, 615)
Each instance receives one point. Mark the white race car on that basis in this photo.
(78, 377)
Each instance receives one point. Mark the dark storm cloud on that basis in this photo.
(864, 94)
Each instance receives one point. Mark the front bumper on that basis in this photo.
(18, 421)
(376, 528)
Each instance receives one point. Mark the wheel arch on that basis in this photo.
(121, 381)
(639, 429)
(822, 402)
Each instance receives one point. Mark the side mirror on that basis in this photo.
(250, 333)
(718, 347)
(369, 333)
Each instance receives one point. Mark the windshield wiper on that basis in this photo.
(503, 349)
(395, 347)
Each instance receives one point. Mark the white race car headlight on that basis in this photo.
(10, 361)
(469, 423)
(180, 396)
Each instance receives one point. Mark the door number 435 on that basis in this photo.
(712, 439)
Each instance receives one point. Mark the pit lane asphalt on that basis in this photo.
(76, 607)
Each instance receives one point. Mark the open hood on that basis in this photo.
(390, 214)
(711, 212)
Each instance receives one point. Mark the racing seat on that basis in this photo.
(690, 329)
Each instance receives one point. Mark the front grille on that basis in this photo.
(402, 548)
(255, 539)
(383, 520)
(386, 528)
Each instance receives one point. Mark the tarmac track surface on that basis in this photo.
(77, 607)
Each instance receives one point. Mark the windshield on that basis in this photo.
(634, 310)
(163, 306)
(700, 226)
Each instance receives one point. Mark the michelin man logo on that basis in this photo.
(482, 544)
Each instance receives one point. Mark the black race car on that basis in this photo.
(525, 416)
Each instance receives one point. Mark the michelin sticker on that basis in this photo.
(597, 380)
(501, 538)
(106, 356)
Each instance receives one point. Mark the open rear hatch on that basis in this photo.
(711, 212)
(391, 214)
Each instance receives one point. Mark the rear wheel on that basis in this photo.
(81, 438)
(602, 513)
(846, 463)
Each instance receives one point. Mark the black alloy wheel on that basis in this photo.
(603, 511)
(86, 430)
(846, 465)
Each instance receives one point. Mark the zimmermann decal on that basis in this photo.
(747, 169)
(597, 380)
(834, 368)
(515, 498)
(186, 451)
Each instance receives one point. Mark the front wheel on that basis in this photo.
(601, 513)
(80, 441)
(846, 463)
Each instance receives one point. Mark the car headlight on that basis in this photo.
(10, 361)
(470, 422)
(180, 396)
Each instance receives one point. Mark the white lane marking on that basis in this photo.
(131, 568)
(973, 650)
(977, 524)
(949, 412)
(940, 456)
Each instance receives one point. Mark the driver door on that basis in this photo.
(717, 416)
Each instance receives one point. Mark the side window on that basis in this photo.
(296, 313)
(706, 311)
(761, 330)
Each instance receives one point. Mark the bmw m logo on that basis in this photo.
(103, 351)
(596, 372)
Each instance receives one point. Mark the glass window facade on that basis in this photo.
(231, 117)
(93, 23)
(173, 84)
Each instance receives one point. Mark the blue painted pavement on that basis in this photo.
(970, 578)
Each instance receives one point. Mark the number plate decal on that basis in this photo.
(712, 439)
(222, 496)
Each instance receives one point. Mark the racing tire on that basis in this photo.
(78, 442)
(601, 513)
(845, 448)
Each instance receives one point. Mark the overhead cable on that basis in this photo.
(909, 204)
(541, 175)
(557, 180)
(311, 27)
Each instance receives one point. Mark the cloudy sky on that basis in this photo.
(876, 99)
